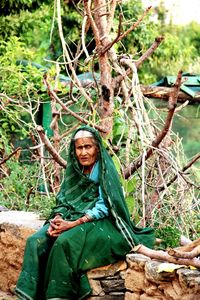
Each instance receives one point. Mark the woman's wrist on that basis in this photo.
(84, 219)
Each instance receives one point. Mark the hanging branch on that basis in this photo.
(50, 148)
(191, 162)
(171, 109)
(67, 57)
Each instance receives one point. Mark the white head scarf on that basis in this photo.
(83, 134)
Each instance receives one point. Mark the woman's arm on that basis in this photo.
(100, 210)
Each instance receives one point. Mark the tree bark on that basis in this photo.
(106, 100)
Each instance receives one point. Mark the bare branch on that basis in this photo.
(7, 102)
(135, 24)
(162, 255)
(105, 49)
(121, 36)
(75, 115)
(9, 156)
(190, 245)
(50, 148)
(146, 55)
(150, 51)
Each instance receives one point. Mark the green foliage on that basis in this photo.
(169, 231)
(13, 80)
(169, 235)
(27, 26)
(14, 6)
(21, 86)
(173, 54)
(16, 187)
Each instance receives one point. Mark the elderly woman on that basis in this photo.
(89, 227)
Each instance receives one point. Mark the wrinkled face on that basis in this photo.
(86, 151)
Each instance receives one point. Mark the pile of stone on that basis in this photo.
(139, 278)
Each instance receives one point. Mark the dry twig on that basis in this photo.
(156, 142)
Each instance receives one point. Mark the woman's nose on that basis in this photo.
(83, 151)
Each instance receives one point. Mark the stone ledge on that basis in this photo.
(136, 278)
(15, 227)
(21, 218)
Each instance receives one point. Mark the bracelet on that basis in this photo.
(88, 218)
(85, 219)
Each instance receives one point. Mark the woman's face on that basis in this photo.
(86, 151)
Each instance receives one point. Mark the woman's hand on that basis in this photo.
(58, 225)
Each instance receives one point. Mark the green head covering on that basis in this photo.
(79, 193)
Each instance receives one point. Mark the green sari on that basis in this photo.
(55, 268)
